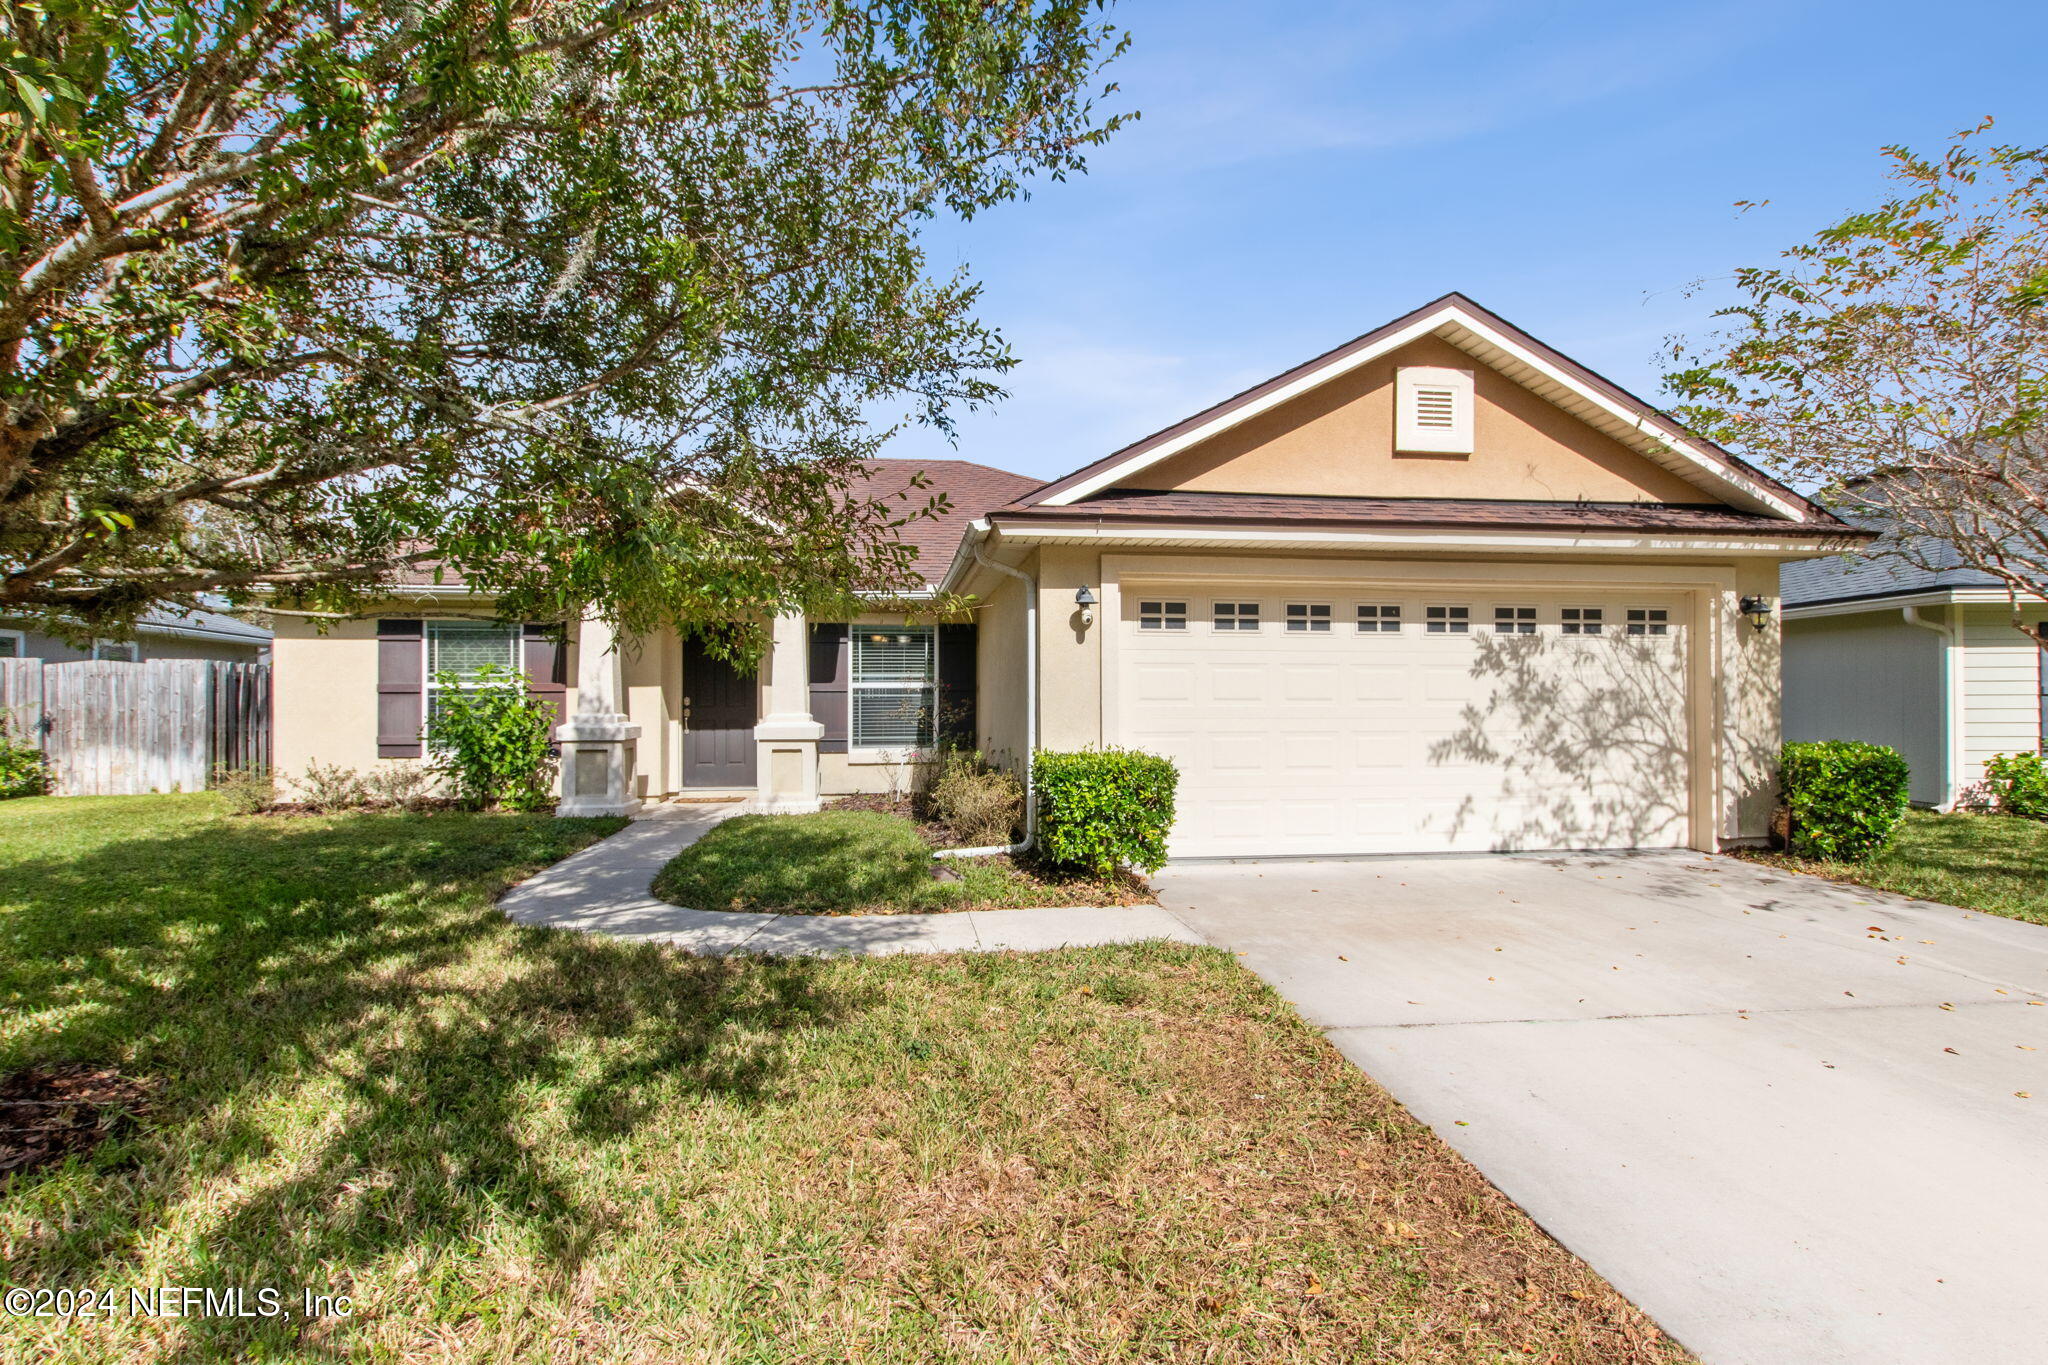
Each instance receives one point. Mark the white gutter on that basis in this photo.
(1951, 714)
(975, 534)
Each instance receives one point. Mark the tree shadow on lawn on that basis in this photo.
(359, 1056)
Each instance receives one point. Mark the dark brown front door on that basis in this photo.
(719, 712)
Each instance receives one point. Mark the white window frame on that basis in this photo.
(1163, 613)
(1514, 619)
(1379, 618)
(1307, 622)
(429, 690)
(858, 752)
(1234, 618)
(1438, 618)
(133, 648)
(20, 638)
(1646, 621)
(1583, 620)
(1432, 410)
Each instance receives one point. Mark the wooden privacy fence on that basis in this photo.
(118, 729)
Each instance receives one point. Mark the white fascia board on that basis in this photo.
(1937, 597)
(1779, 547)
(1697, 465)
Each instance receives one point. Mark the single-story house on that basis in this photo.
(1922, 657)
(1441, 588)
(161, 633)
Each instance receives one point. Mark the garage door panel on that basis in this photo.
(1349, 741)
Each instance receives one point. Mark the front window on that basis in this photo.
(458, 652)
(11, 642)
(116, 651)
(895, 693)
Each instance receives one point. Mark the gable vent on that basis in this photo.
(1433, 410)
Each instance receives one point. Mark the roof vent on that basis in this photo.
(1433, 410)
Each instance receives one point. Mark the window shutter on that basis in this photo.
(400, 675)
(830, 667)
(544, 656)
(957, 679)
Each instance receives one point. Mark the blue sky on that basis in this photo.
(1303, 172)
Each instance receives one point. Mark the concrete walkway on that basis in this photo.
(1798, 1123)
(605, 890)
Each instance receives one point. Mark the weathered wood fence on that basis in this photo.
(117, 729)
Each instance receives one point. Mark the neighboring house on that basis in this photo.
(164, 633)
(1438, 589)
(1923, 659)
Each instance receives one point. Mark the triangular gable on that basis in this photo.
(1495, 345)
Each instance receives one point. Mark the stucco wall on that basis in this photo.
(1338, 441)
(1869, 677)
(1000, 719)
(323, 696)
(2001, 688)
(1069, 657)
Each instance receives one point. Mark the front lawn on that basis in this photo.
(1994, 863)
(861, 862)
(511, 1143)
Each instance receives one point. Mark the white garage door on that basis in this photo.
(1409, 720)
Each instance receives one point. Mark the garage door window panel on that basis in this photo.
(1648, 621)
(1308, 618)
(1514, 620)
(1236, 616)
(1584, 620)
(1382, 619)
(1447, 620)
(1162, 615)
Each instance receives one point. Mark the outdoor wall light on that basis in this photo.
(1085, 600)
(1758, 610)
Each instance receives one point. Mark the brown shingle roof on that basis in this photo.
(1141, 507)
(971, 490)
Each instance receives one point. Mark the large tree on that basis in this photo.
(1898, 364)
(588, 301)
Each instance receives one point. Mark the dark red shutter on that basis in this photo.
(830, 651)
(401, 671)
(544, 655)
(957, 665)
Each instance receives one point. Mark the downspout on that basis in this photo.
(1030, 704)
(1950, 717)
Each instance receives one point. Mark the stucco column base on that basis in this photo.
(786, 759)
(598, 754)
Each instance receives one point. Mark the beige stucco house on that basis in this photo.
(1438, 589)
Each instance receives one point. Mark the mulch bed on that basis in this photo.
(47, 1114)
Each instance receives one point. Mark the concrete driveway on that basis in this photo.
(1777, 1113)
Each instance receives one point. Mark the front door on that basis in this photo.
(719, 711)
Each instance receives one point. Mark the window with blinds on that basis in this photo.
(893, 684)
(458, 652)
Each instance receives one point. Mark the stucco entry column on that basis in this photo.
(598, 742)
(786, 739)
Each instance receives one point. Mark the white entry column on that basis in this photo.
(786, 739)
(598, 742)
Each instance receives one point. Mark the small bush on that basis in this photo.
(328, 787)
(2019, 784)
(1845, 799)
(494, 741)
(980, 804)
(1105, 809)
(401, 784)
(246, 791)
(21, 762)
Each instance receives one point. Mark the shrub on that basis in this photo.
(978, 803)
(246, 791)
(2019, 784)
(21, 762)
(330, 787)
(1103, 809)
(494, 741)
(1845, 799)
(401, 784)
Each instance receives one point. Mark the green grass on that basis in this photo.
(857, 862)
(508, 1143)
(1994, 863)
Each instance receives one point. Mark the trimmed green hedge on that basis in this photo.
(1845, 798)
(1103, 809)
(2019, 784)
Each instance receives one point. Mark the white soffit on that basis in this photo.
(1653, 440)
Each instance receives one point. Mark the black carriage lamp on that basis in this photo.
(1085, 600)
(1758, 610)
